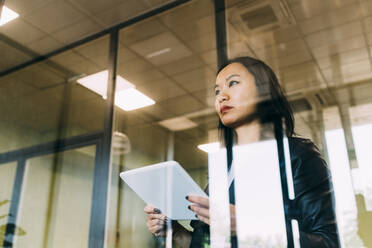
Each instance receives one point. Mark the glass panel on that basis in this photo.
(314, 50)
(171, 58)
(44, 102)
(56, 199)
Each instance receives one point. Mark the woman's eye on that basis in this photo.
(217, 92)
(233, 83)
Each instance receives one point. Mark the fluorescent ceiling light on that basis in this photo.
(210, 147)
(131, 99)
(126, 96)
(7, 15)
(160, 52)
(178, 124)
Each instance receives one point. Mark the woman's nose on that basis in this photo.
(223, 97)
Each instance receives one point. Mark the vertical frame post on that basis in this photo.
(11, 227)
(221, 38)
(278, 130)
(103, 159)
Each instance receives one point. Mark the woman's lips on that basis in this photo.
(224, 109)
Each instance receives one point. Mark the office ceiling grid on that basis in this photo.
(172, 57)
(329, 44)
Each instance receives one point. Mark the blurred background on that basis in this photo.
(64, 140)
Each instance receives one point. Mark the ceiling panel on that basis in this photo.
(157, 112)
(76, 63)
(134, 66)
(196, 80)
(161, 49)
(182, 105)
(78, 30)
(11, 56)
(156, 3)
(351, 72)
(339, 46)
(281, 50)
(95, 48)
(305, 72)
(120, 12)
(333, 35)
(210, 58)
(21, 31)
(293, 59)
(149, 27)
(331, 19)
(161, 89)
(24, 7)
(144, 78)
(207, 96)
(304, 9)
(195, 28)
(194, 10)
(366, 6)
(343, 58)
(182, 65)
(96, 6)
(54, 15)
(45, 45)
(41, 76)
(203, 43)
(125, 54)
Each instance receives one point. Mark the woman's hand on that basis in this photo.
(156, 222)
(201, 209)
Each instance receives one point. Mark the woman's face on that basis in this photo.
(236, 95)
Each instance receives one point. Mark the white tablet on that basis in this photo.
(165, 186)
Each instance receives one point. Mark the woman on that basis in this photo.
(248, 95)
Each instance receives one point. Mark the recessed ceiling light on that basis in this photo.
(210, 147)
(126, 96)
(131, 99)
(7, 15)
(178, 124)
(157, 53)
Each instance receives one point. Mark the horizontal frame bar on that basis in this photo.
(51, 147)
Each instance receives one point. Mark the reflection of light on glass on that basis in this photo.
(362, 136)
(288, 169)
(210, 147)
(296, 233)
(126, 96)
(219, 199)
(343, 188)
(7, 15)
(259, 202)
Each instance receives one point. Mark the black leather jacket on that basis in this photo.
(313, 206)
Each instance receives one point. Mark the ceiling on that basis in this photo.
(317, 48)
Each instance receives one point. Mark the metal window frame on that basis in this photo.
(102, 140)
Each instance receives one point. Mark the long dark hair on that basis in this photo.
(272, 108)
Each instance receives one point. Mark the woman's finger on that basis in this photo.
(156, 216)
(204, 219)
(203, 201)
(157, 222)
(151, 209)
(200, 211)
